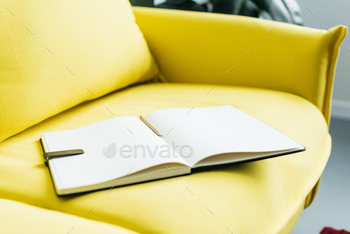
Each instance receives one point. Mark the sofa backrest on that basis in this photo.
(57, 54)
(265, 54)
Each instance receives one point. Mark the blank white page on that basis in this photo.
(93, 166)
(217, 130)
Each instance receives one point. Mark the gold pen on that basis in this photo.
(150, 126)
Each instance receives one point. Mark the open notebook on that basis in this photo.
(125, 150)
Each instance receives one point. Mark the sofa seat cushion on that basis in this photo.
(41, 221)
(256, 197)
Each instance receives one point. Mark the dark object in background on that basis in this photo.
(223, 6)
(247, 8)
(146, 3)
(329, 230)
(287, 11)
(182, 5)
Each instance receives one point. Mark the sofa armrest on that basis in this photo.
(192, 47)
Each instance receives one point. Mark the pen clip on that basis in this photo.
(60, 154)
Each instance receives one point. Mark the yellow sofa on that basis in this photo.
(68, 64)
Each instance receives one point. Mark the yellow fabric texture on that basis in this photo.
(19, 218)
(259, 197)
(57, 54)
(234, 50)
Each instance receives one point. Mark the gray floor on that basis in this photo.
(331, 206)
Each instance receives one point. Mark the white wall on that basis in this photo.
(331, 13)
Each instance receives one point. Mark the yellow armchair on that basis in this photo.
(281, 74)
